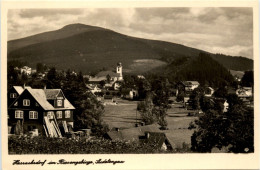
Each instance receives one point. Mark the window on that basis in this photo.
(16, 104)
(59, 102)
(13, 95)
(50, 115)
(33, 115)
(19, 114)
(26, 102)
(67, 114)
(59, 114)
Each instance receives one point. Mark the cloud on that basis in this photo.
(217, 30)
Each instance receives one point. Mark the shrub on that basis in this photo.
(95, 145)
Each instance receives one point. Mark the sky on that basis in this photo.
(217, 30)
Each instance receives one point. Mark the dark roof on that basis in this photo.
(187, 83)
(156, 139)
(179, 137)
(132, 134)
(105, 73)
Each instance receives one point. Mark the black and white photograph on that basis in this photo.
(129, 80)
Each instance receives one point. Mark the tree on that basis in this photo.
(221, 92)
(108, 78)
(196, 96)
(145, 109)
(52, 80)
(155, 106)
(89, 110)
(232, 129)
(248, 79)
(102, 83)
(39, 68)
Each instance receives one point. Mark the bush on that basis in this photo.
(44, 145)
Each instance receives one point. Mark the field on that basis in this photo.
(123, 115)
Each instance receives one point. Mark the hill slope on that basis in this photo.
(201, 68)
(87, 48)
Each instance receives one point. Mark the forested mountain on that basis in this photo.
(201, 68)
(88, 48)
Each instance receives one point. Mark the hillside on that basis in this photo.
(201, 68)
(87, 48)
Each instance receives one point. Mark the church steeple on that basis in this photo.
(119, 70)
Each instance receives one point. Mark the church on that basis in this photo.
(116, 75)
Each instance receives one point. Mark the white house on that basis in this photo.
(26, 70)
(129, 93)
(190, 85)
(114, 75)
(93, 88)
(244, 92)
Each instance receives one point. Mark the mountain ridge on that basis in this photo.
(90, 48)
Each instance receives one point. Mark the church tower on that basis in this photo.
(119, 71)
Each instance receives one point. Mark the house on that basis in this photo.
(93, 88)
(44, 110)
(187, 86)
(150, 134)
(15, 92)
(157, 140)
(40, 75)
(116, 75)
(186, 101)
(208, 91)
(129, 93)
(26, 70)
(181, 138)
(244, 92)
(140, 77)
(116, 85)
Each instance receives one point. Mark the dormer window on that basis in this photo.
(13, 95)
(59, 102)
(26, 102)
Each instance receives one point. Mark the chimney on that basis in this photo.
(44, 87)
(142, 123)
(23, 85)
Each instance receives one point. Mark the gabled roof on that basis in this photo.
(179, 137)
(186, 83)
(97, 79)
(52, 94)
(20, 89)
(155, 138)
(247, 88)
(105, 73)
(132, 134)
(40, 96)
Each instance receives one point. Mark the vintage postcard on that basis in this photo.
(130, 85)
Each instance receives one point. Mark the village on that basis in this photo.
(48, 112)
